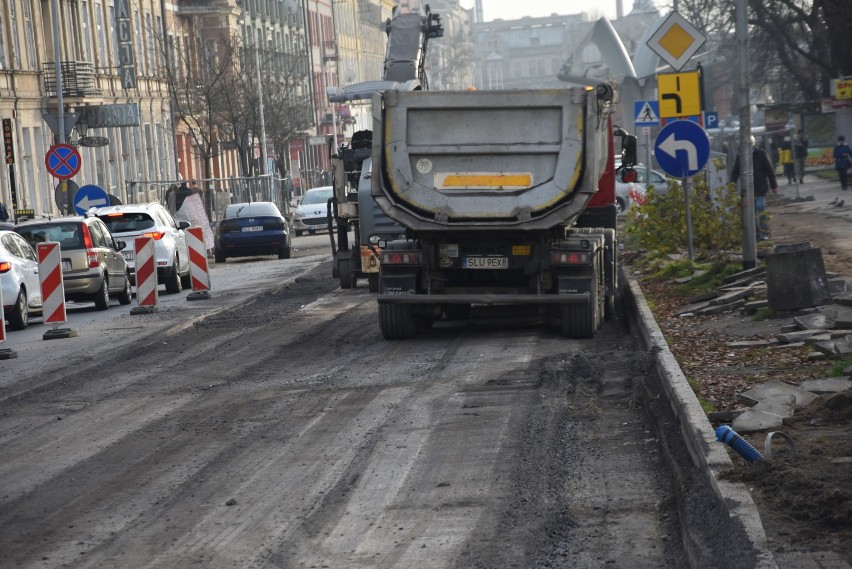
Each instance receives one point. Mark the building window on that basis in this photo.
(151, 48)
(2, 43)
(141, 67)
(101, 31)
(87, 32)
(15, 56)
(29, 39)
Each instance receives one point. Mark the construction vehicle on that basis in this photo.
(506, 197)
(352, 208)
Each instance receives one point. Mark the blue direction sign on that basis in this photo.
(682, 148)
(646, 113)
(62, 161)
(90, 196)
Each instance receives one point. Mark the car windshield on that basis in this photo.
(68, 235)
(313, 197)
(125, 221)
(252, 209)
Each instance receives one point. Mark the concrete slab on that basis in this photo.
(781, 404)
(810, 560)
(801, 335)
(770, 388)
(839, 285)
(735, 295)
(818, 338)
(828, 348)
(720, 308)
(752, 421)
(844, 298)
(753, 343)
(843, 348)
(827, 385)
(819, 321)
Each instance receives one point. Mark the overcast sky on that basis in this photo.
(514, 9)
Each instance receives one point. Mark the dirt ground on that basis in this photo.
(805, 501)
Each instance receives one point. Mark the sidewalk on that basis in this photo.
(816, 195)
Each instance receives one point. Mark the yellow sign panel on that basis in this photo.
(679, 94)
(484, 180)
(843, 89)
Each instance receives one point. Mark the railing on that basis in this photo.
(78, 79)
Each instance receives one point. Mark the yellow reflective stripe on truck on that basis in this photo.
(484, 180)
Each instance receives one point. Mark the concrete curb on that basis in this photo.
(709, 456)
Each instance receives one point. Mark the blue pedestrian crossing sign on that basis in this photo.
(90, 196)
(646, 113)
(682, 148)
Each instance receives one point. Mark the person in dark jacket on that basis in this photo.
(764, 181)
(801, 154)
(842, 161)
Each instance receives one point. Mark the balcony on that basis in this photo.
(78, 79)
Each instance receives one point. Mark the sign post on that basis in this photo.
(682, 150)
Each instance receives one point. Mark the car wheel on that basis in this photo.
(620, 206)
(101, 297)
(173, 283)
(19, 316)
(284, 251)
(219, 256)
(126, 294)
(186, 280)
(298, 233)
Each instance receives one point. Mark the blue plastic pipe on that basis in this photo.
(730, 437)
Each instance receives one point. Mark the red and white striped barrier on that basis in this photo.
(146, 276)
(5, 353)
(198, 270)
(52, 290)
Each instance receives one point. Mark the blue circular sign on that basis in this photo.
(682, 148)
(90, 196)
(62, 161)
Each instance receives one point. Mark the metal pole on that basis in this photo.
(746, 167)
(60, 103)
(686, 190)
(263, 157)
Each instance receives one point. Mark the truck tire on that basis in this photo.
(373, 282)
(396, 321)
(580, 321)
(347, 277)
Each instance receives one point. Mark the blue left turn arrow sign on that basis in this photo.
(88, 197)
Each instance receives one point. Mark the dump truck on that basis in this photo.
(506, 197)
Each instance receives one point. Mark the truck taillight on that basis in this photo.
(559, 257)
(400, 257)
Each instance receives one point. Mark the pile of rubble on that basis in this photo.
(827, 329)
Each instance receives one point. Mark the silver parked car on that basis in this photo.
(93, 268)
(311, 214)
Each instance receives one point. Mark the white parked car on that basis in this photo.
(127, 222)
(626, 193)
(19, 280)
(311, 214)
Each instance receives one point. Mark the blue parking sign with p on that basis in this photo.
(711, 120)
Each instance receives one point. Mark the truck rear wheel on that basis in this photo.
(457, 311)
(396, 321)
(347, 277)
(373, 282)
(581, 320)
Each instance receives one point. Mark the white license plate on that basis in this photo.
(252, 228)
(128, 256)
(66, 265)
(485, 263)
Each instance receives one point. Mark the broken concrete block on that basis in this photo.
(787, 346)
(843, 348)
(828, 348)
(753, 343)
(819, 321)
(752, 421)
(827, 385)
(844, 298)
(817, 338)
(771, 388)
(733, 296)
(796, 277)
(789, 328)
(781, 404)
(720, 308)
(753, 272)
(797, 336)
(815, 356)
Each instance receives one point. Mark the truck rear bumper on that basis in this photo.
(489, 299)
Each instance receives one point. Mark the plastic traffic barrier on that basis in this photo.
(198, 269)
(146, 277)
(5, 353)
(52, 291)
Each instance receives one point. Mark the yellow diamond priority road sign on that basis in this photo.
(676, 40)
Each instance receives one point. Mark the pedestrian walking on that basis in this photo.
(842, 161)
(800, 153)
(764, 180)
(785, 154)
(4, 213)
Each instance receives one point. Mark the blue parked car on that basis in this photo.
(248, 229)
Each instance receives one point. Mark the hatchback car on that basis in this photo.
(130, 221)
(311, 214)
(255, 228)
(93, 268)
(627, 193)
(19, 280)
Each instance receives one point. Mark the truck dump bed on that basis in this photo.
(488, 160)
